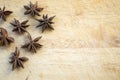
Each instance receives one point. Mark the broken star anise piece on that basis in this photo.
(20, 27)
(17, 61)
(4, 14)
(33, 9)
(46, 23)
(4, 38)
(32, 45)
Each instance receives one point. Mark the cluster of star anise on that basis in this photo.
(45, 23)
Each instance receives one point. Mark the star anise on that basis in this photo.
(20, 27)
(4, 38)
(33, 9)
(46, 23)
(32, 45)
(17, 61)
(4, 14)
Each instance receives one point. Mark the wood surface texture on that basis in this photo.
(85, 44)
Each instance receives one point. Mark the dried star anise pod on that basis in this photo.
(20, 27)
(4, 38)
(32, 45)
(33, 9)
(4, 14)
(46, 23)
(17, 61)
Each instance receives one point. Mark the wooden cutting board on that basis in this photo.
(85, 44)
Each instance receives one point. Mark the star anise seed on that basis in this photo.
(19, 27)
(4, 14)
(46, 23)
(33, 9)
(32, 45)
(17, 61)
(4, 38)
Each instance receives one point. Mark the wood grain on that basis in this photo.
(85, 44)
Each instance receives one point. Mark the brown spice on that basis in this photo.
(19, 27)
(17, 61)
(4, 38)
(33, 9)
(32, 45)
(4, 14)
(46, 23)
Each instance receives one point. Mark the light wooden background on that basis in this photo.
(85, 44)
